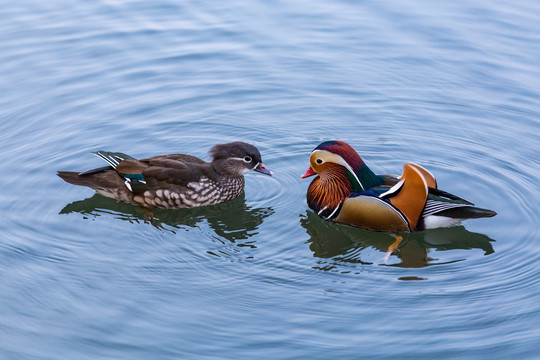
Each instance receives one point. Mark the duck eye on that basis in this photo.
(319, 161)
(247, 159)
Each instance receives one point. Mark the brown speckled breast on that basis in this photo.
(194, 194)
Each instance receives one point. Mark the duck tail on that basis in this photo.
(81, 178)
(73, 177)
(467, 212)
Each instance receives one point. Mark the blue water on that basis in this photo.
(452, 86)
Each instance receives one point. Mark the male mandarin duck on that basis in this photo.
(173, 181)
(347, 191)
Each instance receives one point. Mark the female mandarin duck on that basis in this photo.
(173, 181)
(347, 191)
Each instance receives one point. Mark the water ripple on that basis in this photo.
(450, 86)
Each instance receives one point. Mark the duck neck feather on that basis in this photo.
(329, 189)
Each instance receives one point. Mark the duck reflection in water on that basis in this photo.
(232, 220)
(346, 244)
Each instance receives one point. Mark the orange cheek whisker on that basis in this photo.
(330, 188)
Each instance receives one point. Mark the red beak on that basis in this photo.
(309, 172)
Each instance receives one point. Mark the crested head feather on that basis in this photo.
(234, 149)
(344, 150)
(237, 158)
(360, 174)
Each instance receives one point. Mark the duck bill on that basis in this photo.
(309, 172)
(262, 169)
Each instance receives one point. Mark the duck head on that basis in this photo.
(329, 156)
(340, 171)
(237, 158)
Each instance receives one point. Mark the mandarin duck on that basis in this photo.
(347, 191)
(173, 181)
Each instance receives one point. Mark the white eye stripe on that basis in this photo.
(337, 159)
(246, 159)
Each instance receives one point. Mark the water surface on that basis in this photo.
(453, 87)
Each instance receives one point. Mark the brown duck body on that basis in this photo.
(172, 181)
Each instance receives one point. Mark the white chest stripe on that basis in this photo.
(333, 212)
(331, 215)
(320, 211)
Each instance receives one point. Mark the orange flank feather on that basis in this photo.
(412, 196)
(430, 179)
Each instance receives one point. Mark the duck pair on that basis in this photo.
(345, 190)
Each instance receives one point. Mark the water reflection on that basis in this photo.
(346, 245)
(232, 220)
